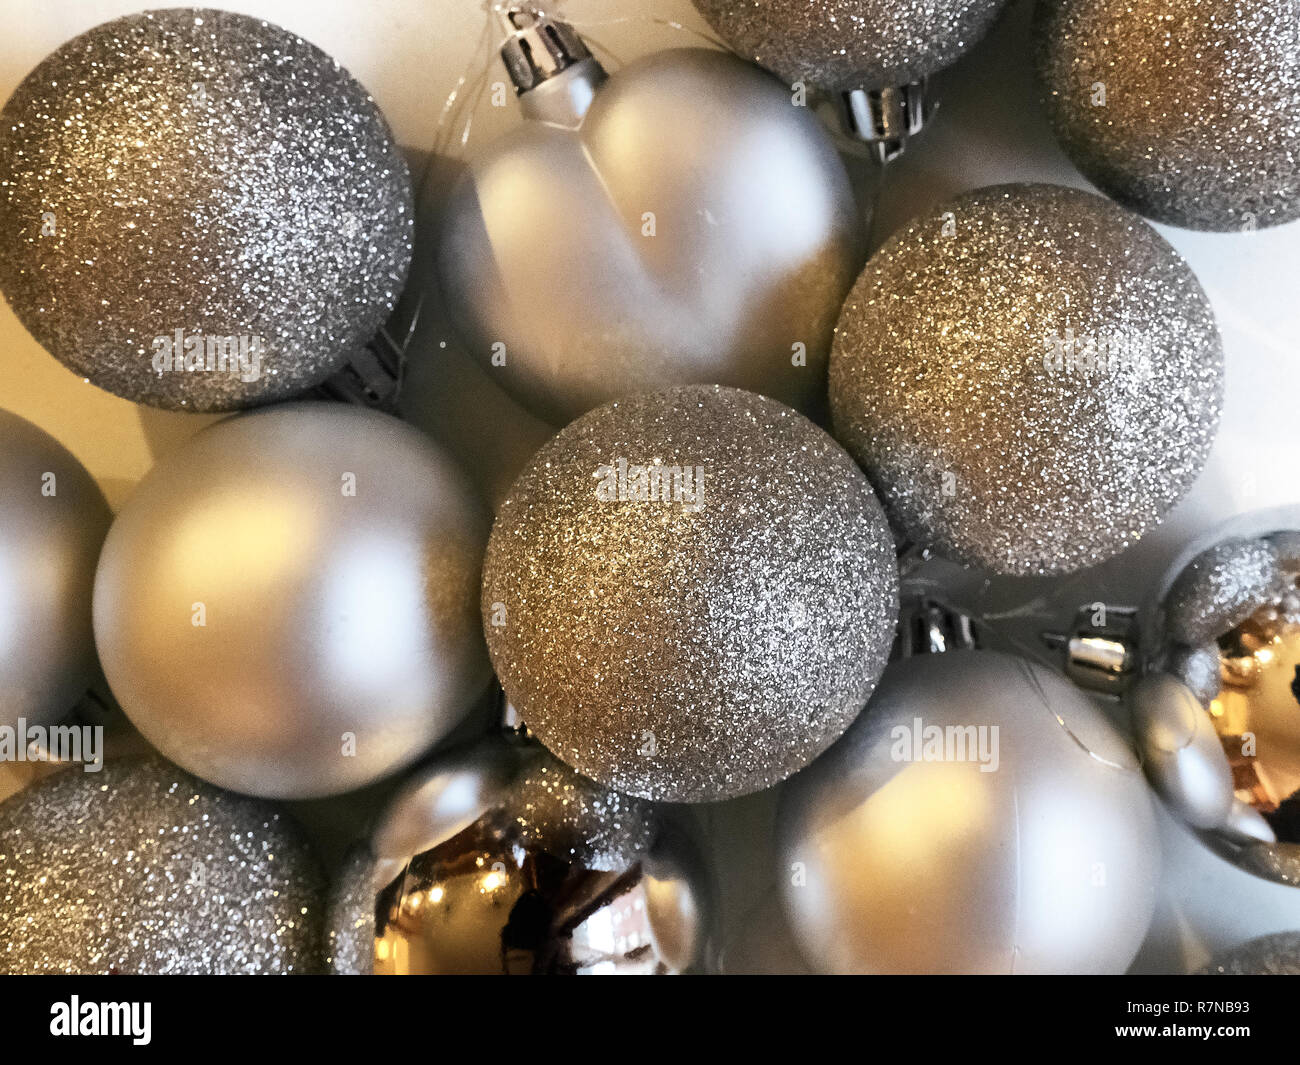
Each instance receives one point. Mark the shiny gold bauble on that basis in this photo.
(501, 860)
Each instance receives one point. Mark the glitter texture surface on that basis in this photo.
(1220, 589)
(1199, 125)
(141, 868)
(1031, 377)
(699, 647)
(1276, 955)
(207, 172)
(851, 44)
(350, 916)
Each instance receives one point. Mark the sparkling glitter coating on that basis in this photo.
(350, 916)
(1221, 588)
(1275, 955)
(1200, 124)
(691, 653)
(1031, 377)
(851, 44)
(141, 868)
(207, 172)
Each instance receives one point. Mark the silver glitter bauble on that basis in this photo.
(689, 594)
(1233, 597)
(1030, 376)
(1185, 110)
(206, 178)
(981, 816)
(140, 868)
(686, 225)
(1275, 955)
(500, 859)
(287, 604)
(851, 44)
(53, 519)
(350, 916)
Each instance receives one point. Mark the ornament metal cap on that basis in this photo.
(929, 627)
(538, 50)
(1100, 651)
(885, 118)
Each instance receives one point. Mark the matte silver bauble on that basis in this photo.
(498, 859)
(851, 44)
(689, 594)
(981, 816)
(53, 519)
(287, 604)
(1187, 111)
(1031, 377)
(200, 210)
(140, 868)
(1233, 598)
(685, 224)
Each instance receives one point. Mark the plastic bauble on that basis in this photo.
(287, 604)
(140, 868)
(498, 859)
(981, 816)
(1275, 955)
(1223, 647)
(1031, 377)
(53, 519)
(200, 210)
(689, 594)
(693, 227)
(851, 44)
(1187, 111)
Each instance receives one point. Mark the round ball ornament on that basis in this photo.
(845, 45)
(53, 519)
(981, 816)
(1218, 714)
(1031, 377)
(677, 222)
(499, 859)
(1186, 111)
(141, 869)
(199, 210)
(287, 604)
(689, 594)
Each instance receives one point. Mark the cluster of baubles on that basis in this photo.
(691, 591)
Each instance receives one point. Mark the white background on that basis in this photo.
(411, 53)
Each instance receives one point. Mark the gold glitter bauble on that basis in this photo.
(851, 44)
(140, 868)
(1187, 111)
(689, 594)
(206, 187)
(499, 859)
(1031, 377)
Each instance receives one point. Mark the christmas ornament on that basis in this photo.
(1187, 111)
(53, 519)
(875, 53)
(1275, 955)
(286, 606)
(1030, 376)
(140, 868)
(500, 859)
(1218, 713)
(200, 210)
(677, 222)
(350, 916)
(689, 594)
(981, 816)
